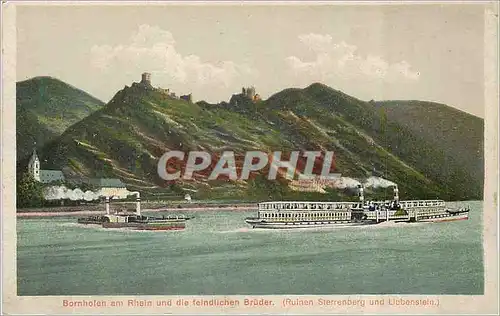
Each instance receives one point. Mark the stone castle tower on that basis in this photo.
(187, 97)
(146, 78)
(248, 92)
(34, 166)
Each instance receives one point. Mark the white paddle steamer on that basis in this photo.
(301, 214)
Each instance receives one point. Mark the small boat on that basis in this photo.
(140, 222)
(135, 220)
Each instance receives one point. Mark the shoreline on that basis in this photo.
(52, 212)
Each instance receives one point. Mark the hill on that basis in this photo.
(126, 138)
(453, 140)
(45, 107)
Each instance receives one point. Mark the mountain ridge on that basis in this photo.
(45, 107)
(126, 137)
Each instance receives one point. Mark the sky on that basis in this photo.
(384, 52)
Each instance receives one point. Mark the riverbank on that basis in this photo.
(89, 210)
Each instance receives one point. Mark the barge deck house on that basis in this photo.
(303, 215)
(413, 211)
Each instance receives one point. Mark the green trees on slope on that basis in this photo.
(28, 191)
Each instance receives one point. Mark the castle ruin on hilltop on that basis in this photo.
(146, 78)
(250, 93)
(146, 83)
(187, 97)
(246, 92)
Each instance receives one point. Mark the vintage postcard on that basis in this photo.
(249, 158)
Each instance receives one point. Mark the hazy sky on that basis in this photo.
(425, 52)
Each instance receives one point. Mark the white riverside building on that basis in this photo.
(107, 187)
(302, 214)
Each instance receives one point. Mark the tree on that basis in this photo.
(29, 191)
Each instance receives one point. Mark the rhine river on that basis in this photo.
(219, 254)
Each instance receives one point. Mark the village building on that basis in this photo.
(111, 187)
(43, 175)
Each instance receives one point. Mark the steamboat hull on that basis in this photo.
(294, 225)
(146, 226)
(92, 220)
(445, 218)
(89, 222)
(155, 228)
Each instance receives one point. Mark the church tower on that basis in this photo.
(34, 166)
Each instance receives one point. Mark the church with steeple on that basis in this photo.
(34, 166)
(43, 176)
(107, 186)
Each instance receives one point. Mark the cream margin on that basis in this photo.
(460, 304)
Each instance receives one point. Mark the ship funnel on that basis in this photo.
(138, 203)
(396, 193)
(107, 205)
(361, 194)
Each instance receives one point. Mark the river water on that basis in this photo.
(219, 254)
